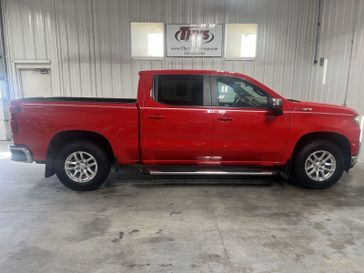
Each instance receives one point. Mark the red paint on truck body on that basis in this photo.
(150, 132)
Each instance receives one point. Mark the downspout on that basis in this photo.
(318, 31)
(351, 52)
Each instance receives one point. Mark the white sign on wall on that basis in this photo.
(203, 40)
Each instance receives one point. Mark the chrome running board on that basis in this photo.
(217, 172)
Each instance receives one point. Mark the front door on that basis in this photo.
(176, 121)
(246, 130)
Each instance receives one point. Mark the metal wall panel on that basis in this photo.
(336, 35)
(88, 43)
(356, 80)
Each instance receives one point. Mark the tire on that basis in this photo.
(310, 174)
(90, 172)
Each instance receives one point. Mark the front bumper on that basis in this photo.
(20, 153)
(354, 160)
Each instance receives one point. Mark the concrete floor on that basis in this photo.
(142, 224)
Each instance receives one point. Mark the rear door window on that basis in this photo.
(181, 90)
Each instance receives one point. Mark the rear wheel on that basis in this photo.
(82, 166)
(319, 165)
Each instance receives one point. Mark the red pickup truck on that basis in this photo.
(187, 122)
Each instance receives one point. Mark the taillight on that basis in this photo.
(13, 126)
(14, 109)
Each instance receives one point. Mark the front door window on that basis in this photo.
(233, 92)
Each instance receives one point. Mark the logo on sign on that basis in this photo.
(186, 33)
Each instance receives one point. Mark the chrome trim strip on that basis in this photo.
(28, 155)
(317, 113)
(154, 172)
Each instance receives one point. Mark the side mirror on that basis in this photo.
(276, 105)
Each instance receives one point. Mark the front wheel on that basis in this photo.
(82, 166)
(319, 165)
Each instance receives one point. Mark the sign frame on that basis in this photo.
(220, 44)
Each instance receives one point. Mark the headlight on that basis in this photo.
(357, 120)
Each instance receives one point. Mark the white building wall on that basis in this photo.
(88, 44)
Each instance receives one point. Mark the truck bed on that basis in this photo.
(41, 119)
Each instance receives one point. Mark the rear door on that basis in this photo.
(246, 130)
(176, 120)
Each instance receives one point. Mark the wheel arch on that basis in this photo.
(61, 138)
(340, 140)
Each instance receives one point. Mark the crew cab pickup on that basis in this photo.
(188, 122)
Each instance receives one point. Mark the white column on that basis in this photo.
(361, 153)
(3, 135)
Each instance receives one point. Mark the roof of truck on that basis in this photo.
(189, 71)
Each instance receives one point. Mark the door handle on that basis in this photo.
(156, 116)
(270, 117)
(225, 118)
